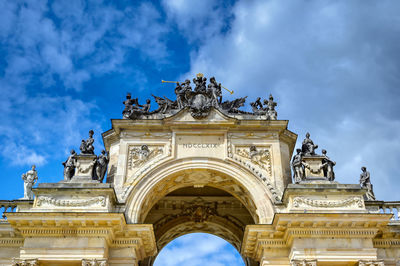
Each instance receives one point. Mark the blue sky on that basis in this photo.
(332, 66)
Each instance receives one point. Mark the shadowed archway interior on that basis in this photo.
(198, 210)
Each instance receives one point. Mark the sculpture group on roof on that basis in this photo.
(300, 162)
(100, 162)
(307, 166)
(199, 101)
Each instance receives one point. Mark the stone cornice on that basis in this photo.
(227, 123)
(286, 227)
(111, 226)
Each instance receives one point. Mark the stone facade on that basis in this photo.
(225, 175)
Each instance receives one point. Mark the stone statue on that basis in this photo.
(101, 165)
(258, 103)
(327, 166)
(200, 82)
(308, 147)
(257, 107)
(233, 106)
(128, 106)
(146, 106)
(87, 145)
(272, 114)
(30, 178)
(216, 92)
(69, 166)
(365, 182)
(298, 167)
(180, 96)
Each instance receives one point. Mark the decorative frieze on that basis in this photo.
(371, 263)
(94, 262)
(26, 262)
(303, 262)
(57, 202)
(319, 203)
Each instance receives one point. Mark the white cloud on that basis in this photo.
(333, 68)
(64, 44)
(198, 22)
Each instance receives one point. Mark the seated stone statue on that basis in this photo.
(30, 178)
(69, 166)
(365, 182)
(308, 147)
(327, 166)
(87, 145)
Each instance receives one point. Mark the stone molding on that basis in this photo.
(386, 243)
(11, 242)
(309, 202)
(56, 202)
(94, 262)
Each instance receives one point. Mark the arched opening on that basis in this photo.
(198, 172)
(198, 249)
(205, 209)
(199, 209)
(199, 196)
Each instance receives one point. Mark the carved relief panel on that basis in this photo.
(142, 157)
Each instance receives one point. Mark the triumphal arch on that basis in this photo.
(199, 164)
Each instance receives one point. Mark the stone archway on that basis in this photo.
(198, 210)
(198, 195)
(200, 172)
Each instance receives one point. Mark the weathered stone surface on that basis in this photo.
(200, 164)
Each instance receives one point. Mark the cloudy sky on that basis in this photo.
(332, 66)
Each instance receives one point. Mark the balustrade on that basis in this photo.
(7, 206)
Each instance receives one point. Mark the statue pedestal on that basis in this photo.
(84, 169)
(324, 197)
(313, 170)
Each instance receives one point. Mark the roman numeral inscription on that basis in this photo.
(200, 145)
